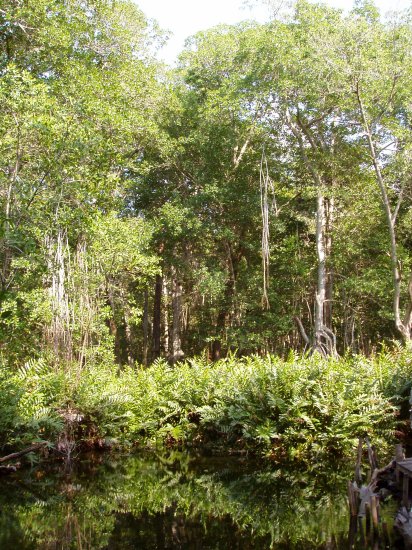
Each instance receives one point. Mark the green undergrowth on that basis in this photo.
(302, 408)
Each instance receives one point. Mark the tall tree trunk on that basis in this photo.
(128, 334)
(321, 281)
(165, 317)
(328, 306)
(146, 328)
(157, 316)
(8, 213)
(84, 314)
(59, 332)
(113, 326)
(228, 308)
(266, 188)
(7, 253)
(177, 352)
(324, 339)
(404, 325)
(217, 343)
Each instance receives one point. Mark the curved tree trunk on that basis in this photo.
(404, 325)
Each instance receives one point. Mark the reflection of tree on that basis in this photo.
(156, 503)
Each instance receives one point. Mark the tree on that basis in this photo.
(78, 83)
(380, 78)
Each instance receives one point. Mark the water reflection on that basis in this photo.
(179, 501)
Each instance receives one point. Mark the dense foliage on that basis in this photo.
(255, 200)
(133, 197)
(297, 409)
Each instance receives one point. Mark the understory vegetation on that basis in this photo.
(294, 409)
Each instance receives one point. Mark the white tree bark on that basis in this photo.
(321, 255)
(404, 325)
(324, 339)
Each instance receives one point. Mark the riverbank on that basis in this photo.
(299, 409)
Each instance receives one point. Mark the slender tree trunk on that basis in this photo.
(112, 322)
(177, 352)
(324, 338)
(59, 332)
(328, 306)
(321, 282)
(7, 254)
(157, 315)
(146, 328)
(404, 325)
(84, 315)
(165, 317)
(129, 335)
(217, 343)
(266, 187)
(229, 307)
(7, 251)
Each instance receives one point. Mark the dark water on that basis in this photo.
(178, 501)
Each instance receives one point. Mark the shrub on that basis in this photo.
(296, 409)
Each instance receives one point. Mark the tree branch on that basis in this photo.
(26, 451)
(302, 331)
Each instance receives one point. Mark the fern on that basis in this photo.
(298, 408)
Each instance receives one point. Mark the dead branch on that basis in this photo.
(26, 451)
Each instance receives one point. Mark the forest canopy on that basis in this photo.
(257, 198)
